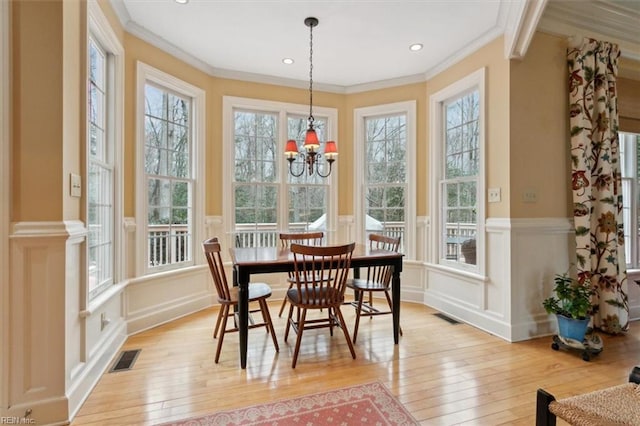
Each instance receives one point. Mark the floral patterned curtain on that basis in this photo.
(596, 180)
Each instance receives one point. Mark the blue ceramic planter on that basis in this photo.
(572, 328)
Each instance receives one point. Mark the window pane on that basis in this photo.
(169, 176)
(255, 147)
(385, 174)
(460, 180)
(100, 190)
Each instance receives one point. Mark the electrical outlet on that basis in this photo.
(104, 321)
(530, 196)
(494, 195)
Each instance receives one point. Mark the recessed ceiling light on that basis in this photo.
(287, 61)
(182, 1)
(415, 47)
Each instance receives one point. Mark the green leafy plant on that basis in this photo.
(572, 299)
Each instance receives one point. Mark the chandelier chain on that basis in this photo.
(311, 119)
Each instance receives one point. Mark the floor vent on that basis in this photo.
(446, 318)
(125, 361)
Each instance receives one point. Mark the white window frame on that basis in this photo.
(229, 105)
(5, 199)
(407, 108)
(630, 188)
(101, 31)
(473, 81)
(147, 73)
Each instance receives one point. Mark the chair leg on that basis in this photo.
(225, 312)
(303, 316)
(358, 312)
(215, 330)
(289, 318)
(266, 317)
(544, 417)
(284, 302)
(345, 331)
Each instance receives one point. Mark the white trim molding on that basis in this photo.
(44, 277)
(5, 198)
(522, 21)
(144, 73)
(408, 109)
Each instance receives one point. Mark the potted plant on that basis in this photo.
(572, 306)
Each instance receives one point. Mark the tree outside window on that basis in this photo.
(460, 183)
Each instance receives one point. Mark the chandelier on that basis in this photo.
(310, 157)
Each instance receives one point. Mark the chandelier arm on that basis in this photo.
(328, 173)
(291, 161)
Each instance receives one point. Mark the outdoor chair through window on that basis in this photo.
(320, 277)
(228, 297)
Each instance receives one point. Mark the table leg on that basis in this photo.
(243, 314)
(395, 295)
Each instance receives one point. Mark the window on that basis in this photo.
(266, 197)
(385, 138)
(171, 131)
(457, 120)
(104, 135)
(629, 158)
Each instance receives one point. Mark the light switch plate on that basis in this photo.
(75, 185)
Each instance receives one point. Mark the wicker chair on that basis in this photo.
(228, 297)
(320, 278)
(616, 405)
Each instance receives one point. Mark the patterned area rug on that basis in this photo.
(368, 404)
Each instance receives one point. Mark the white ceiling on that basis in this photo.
(358, 43)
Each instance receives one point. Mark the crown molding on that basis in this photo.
(521, 25)
(481, 41)
(594, 19)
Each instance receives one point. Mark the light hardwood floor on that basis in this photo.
(443, 373)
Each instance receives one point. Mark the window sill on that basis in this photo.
(452, 271)
(101, 299)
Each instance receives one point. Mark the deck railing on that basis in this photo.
(168, 244)
(171, 244)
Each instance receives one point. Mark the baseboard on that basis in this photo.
(168, 312)
(51, 411)
(84, 382)
(461, 313)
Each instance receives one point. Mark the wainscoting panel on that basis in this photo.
(522, 257)
(44, 280)
(156, 299)
(540, 250)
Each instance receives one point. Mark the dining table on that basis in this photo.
(248, 261)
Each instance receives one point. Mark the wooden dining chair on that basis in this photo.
(320, 278)
(378, 280)
(306, 238)
(228, 297)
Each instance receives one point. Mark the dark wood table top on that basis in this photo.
(274, 259)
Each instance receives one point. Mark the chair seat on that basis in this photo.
(256, 291)
(366, 285)
(311, 297)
